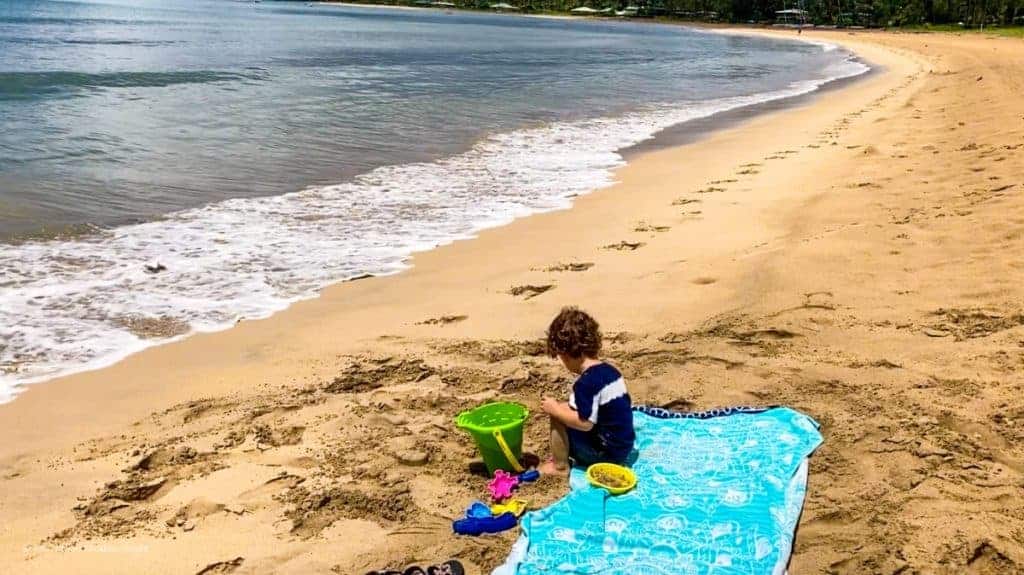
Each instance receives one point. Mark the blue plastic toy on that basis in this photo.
(478, 510)
(529, 476)
(481, 525)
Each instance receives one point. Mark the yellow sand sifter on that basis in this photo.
(616, 479)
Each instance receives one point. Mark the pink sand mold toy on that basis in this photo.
(502, 485)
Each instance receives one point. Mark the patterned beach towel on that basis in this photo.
(717, 492)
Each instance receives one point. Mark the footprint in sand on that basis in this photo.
(703, 280)
(444, 320)
(530, 291)
(645, 227)
(684, 201)
(712, 189)
(818, 300)
(570, 267)
(625, 246)
(222, 566)
(197, 509)
(267, 436)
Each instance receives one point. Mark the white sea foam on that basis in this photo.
(64, 303)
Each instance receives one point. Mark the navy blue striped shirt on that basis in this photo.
(600, 396)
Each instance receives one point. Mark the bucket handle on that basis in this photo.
(508, 452)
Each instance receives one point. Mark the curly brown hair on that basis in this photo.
(574, 333)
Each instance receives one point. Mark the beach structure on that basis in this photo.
(503, 6)
(655, 8)
(791, 17)
(700, 15)
(584, 11)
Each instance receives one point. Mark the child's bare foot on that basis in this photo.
(551, 467)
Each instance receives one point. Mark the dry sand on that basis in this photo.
(858, 258)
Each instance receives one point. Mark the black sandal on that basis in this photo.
(452, 567)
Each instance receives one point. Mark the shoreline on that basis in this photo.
(685, 132)
(695, 130)
(846, 258)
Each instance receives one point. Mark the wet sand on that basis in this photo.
(857, 257)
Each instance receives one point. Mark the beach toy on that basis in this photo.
(497, 429)
(616, 479)
(529, 476)
(513, 506)
(479, 510)
(481, 525)
(502, 485)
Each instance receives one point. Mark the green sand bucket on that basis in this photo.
(498, 431)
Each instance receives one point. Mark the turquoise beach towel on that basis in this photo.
(717, 492)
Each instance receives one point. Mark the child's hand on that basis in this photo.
(549, 405)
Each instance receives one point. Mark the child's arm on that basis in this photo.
(561, 411)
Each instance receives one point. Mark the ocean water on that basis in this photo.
(260, 151)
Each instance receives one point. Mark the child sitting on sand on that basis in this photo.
(596, 424)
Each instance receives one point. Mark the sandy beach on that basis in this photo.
(857, 257)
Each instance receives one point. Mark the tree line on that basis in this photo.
(868, 13)
(969, 13)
